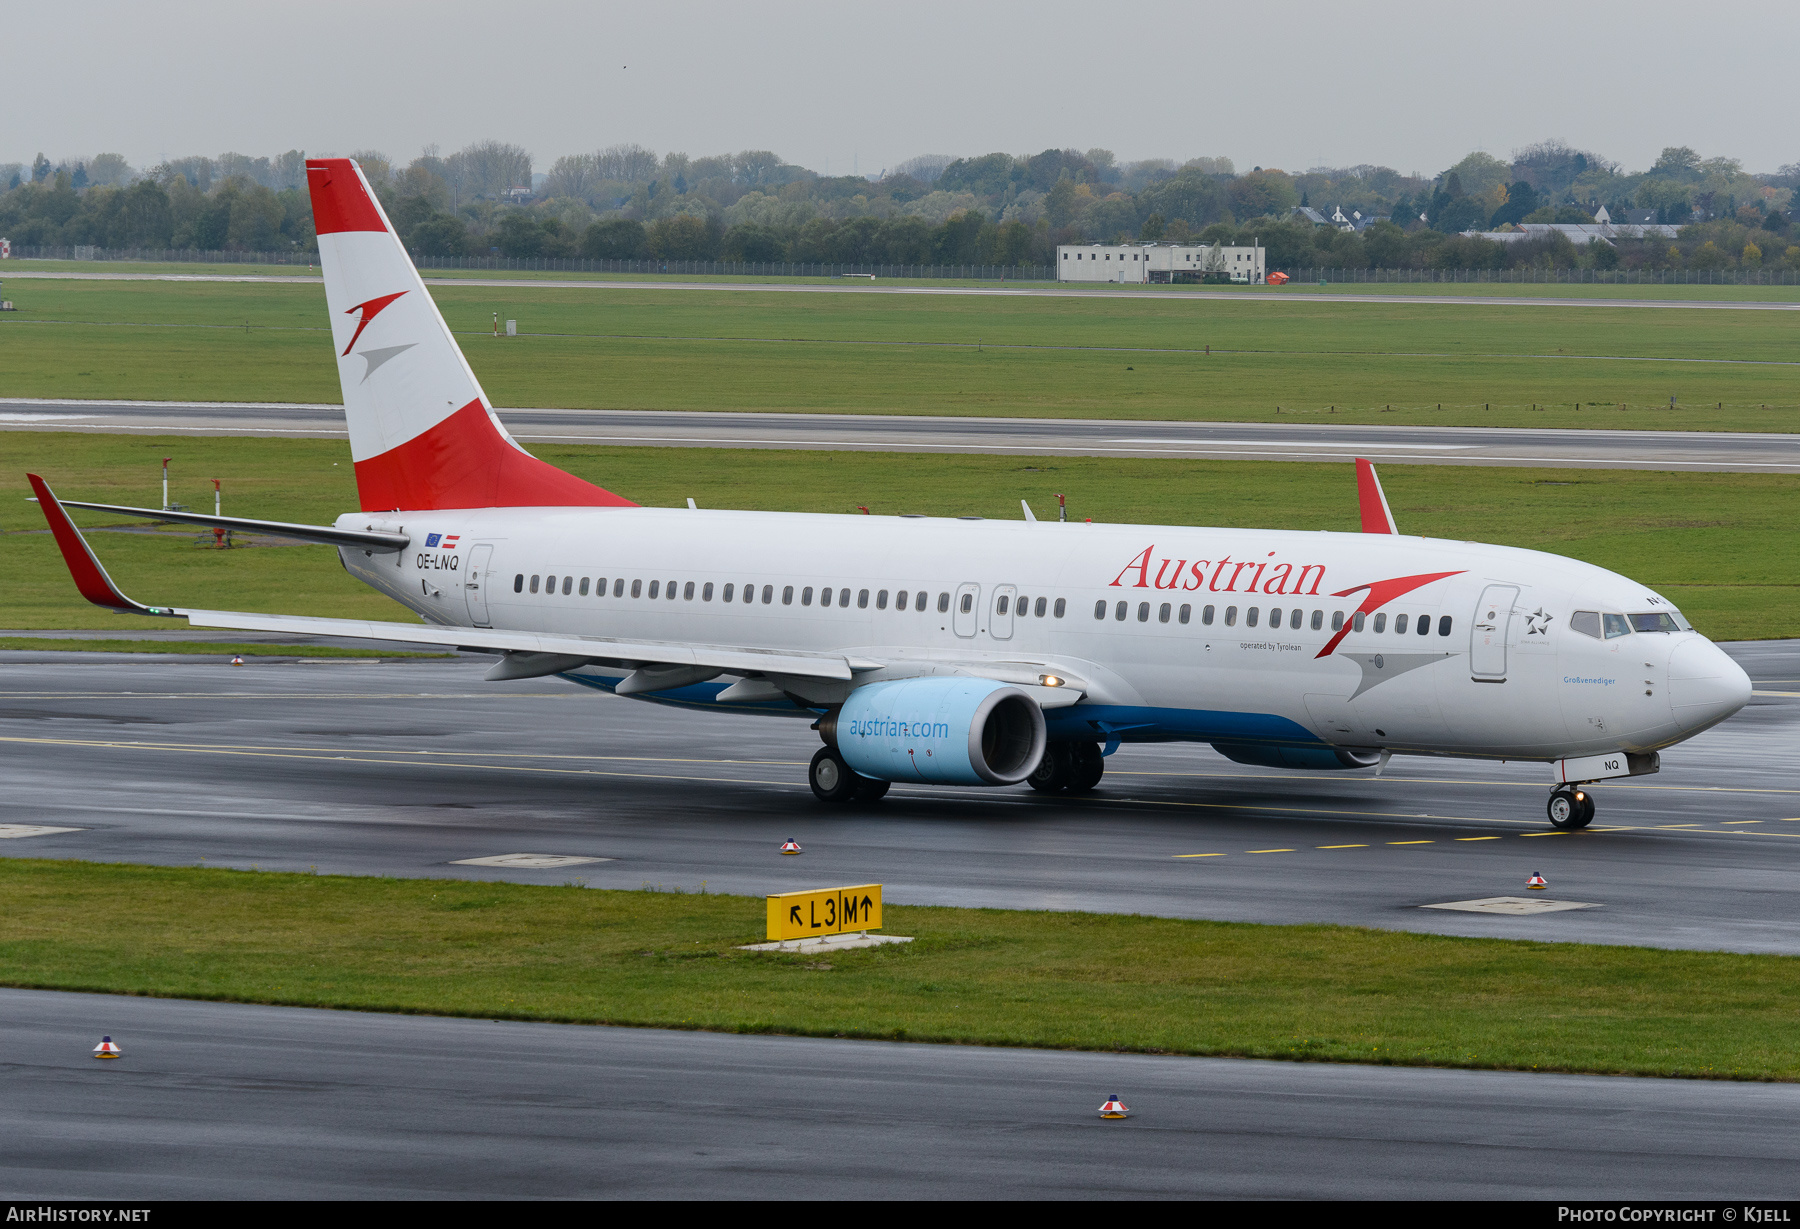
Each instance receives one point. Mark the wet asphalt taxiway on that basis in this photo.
(408, 767)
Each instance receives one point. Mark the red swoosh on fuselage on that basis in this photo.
(1381, 592)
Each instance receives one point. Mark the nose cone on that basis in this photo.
(1705, 686)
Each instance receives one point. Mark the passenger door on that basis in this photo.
(1000, 619)
(1489, 632)
(475, 583)
(965, 611)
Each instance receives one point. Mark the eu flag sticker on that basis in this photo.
(431, 539)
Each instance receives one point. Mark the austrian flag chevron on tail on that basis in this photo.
(422, 432)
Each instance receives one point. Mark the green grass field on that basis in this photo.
(1399, 364)
(986, 977)
(1717, 544)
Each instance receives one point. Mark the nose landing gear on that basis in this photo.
(1571, 807)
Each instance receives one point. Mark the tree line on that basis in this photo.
(628, 202)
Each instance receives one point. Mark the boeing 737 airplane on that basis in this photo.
(958, 651)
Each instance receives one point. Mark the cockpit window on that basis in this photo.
(1654, 622)
(1616, 625)
(1587, 622)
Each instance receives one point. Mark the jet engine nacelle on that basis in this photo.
(953, 731)
(1296, 757)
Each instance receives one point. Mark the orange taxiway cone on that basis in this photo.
(1114, 1108)
(790, 847)
(1536, 882)
(106, 1049)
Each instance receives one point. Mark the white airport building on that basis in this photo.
(1158, 262)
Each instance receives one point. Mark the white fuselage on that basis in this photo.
(1184, 645)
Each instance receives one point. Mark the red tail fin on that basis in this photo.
(422, 433)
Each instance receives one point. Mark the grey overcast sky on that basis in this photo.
(1411, 85)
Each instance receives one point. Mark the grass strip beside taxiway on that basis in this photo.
(975, 976)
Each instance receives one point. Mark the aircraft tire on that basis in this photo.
(1570, 809)
(1088, 766)
(1054, 771)
(868, 789)
(831, 779)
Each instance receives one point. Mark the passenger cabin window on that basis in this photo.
(1251, 615)
(687, 592)
(1038, 610)
(669, 591)
(583, 592)
(1000, 604)
(844, 597)
(1163, 612)
(1616, 625)
(1231, 616)
(1119, 611)
(862, 599)
(519, 583)
(655, 588)
(768, 594)
(1443, 625)
(1058, 609)
(1318, 621)
(1424, 625)
(1357, 620)
(1399, 625)
(968, 602)
(881, 600)
(1206, 616)
(567, 582)
(943, 602)
(1143, 612)
(1380, 623)
(619, 587)
(1100, 609)
(1587, 622)
(787, 595)
(1656, 622)
(900, 600)
(806, 596)
(534, 584)
(706, 591)
(1186, 613)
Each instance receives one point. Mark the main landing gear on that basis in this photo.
(836, 782)
(1571, 807)
(1068, 768)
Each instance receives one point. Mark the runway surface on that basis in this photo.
(403, 768)
(1659, 450)
(224, 1101)
(1039, 290)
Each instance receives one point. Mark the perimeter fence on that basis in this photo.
(986, 273)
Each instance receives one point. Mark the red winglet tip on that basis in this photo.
(89, 577)
(1371, 501)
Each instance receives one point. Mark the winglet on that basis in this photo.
(95, 585)
(1376, 517)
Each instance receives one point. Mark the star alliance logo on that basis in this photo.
(1537, 623)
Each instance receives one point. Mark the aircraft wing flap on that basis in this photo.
(724, 658)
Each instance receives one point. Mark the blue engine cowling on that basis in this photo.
(1296, 757)
(953, 731)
